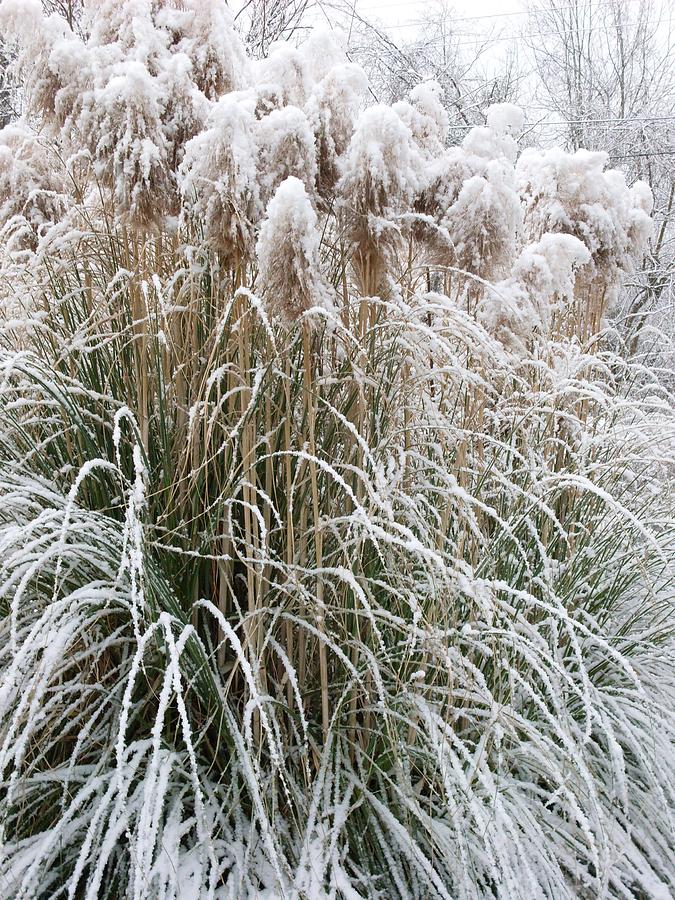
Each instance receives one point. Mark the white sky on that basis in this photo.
(473, 21)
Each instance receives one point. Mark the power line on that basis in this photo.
(610, 154)
(503, 15)
(622, 123)
(636, 155)
(618, 119)
(534, 34)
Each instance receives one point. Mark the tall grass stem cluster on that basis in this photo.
(336, 521)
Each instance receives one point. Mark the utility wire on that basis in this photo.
(503, 15)
(636, 155)
(533, 34)
(617, 119)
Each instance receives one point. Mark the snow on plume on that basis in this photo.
(33, 194)
(285, 71)
(381, 174)
(471, 194)
(129, 144)
(324, 51)
(288, 254)
(36, 36)
(286, 146)
(204, 31)
(219, 177)
(130, 24)
(519, 308)
(332, 109)
(572, 193)
(426, 117)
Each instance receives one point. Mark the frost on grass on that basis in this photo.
(335, 537)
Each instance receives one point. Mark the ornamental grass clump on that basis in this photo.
(316, 582)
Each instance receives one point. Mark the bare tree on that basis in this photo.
(606, 81)
(439, 51)
(70, 10)
(262, 22)
(8, 87)
(602, 62)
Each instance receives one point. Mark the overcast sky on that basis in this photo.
(472, 19)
